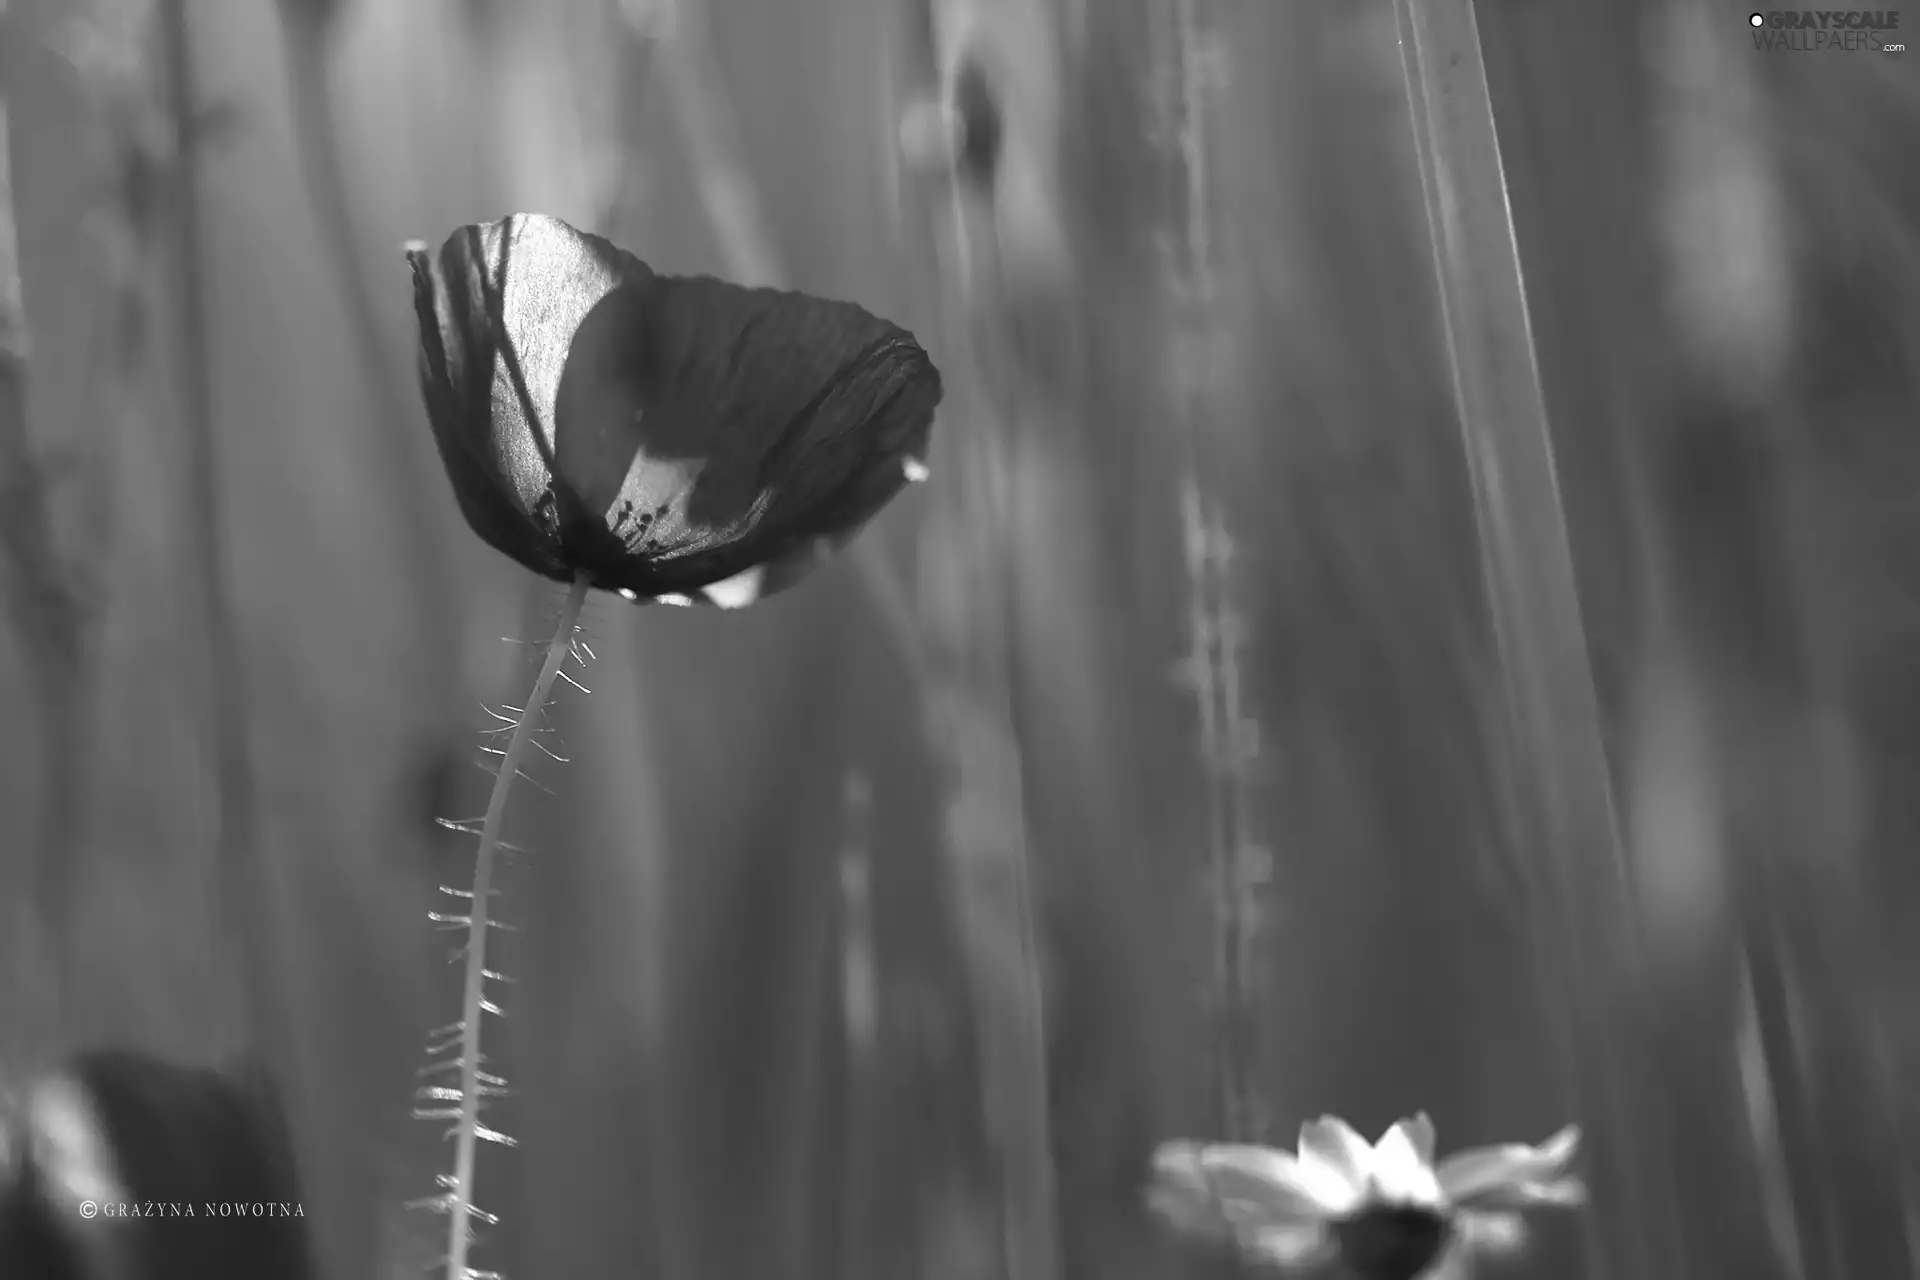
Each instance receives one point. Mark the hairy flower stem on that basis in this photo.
(460, 1194)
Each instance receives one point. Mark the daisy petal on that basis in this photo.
(1468, 1177)
(1399, 1172)
(1560, 1147)
(1561, 1191)
(1295, 1247)
(1334, 1161)
(1181, 1194)
(1176, 1167)
(1259, 1184)
(1490, 1233)
(1174, 1160)
(1419, 1131)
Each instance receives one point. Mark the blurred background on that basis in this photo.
(1232, 731)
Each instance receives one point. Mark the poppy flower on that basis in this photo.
(674, 439)
(1383, 1210)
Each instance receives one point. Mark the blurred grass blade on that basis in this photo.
(243, 901)
(41, 593)
(1528, 572)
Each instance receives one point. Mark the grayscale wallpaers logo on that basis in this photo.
(1827, 31)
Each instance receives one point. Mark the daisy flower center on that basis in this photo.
(1391, 1241)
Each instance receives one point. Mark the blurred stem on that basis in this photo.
(696, 90)
(49, 624)
(473, 1000)
(968, 717)
(706, 119)
(1787, 1086)
(1213, 623)
(243, 903)
(1588, 923)
(697, 93)
(304, 27)
(969, 598)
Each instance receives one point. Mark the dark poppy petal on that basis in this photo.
(661, 435)
(714, 428)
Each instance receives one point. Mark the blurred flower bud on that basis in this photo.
(674, 439)
(122, 1164)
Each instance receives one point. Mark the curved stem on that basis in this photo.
(460, 1194)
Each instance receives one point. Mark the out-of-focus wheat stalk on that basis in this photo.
(1240, 866)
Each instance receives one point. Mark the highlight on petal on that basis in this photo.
(1304, 1245)
(1271, 1183)
(68, 1140)
(1567, 1192)
(1511, 1174)
(1492, 1234)
(737, 592)
(1180, 1193)
(1179, 1162)
(1400, 1173)
(1335, 1161)
(1419, 1131)
(1562, 1146)
(485, 416)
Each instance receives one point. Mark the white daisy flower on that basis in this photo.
(1383, 1209)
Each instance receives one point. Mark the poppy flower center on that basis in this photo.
(1391, 1241)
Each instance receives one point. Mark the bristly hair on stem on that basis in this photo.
(457, 1047)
